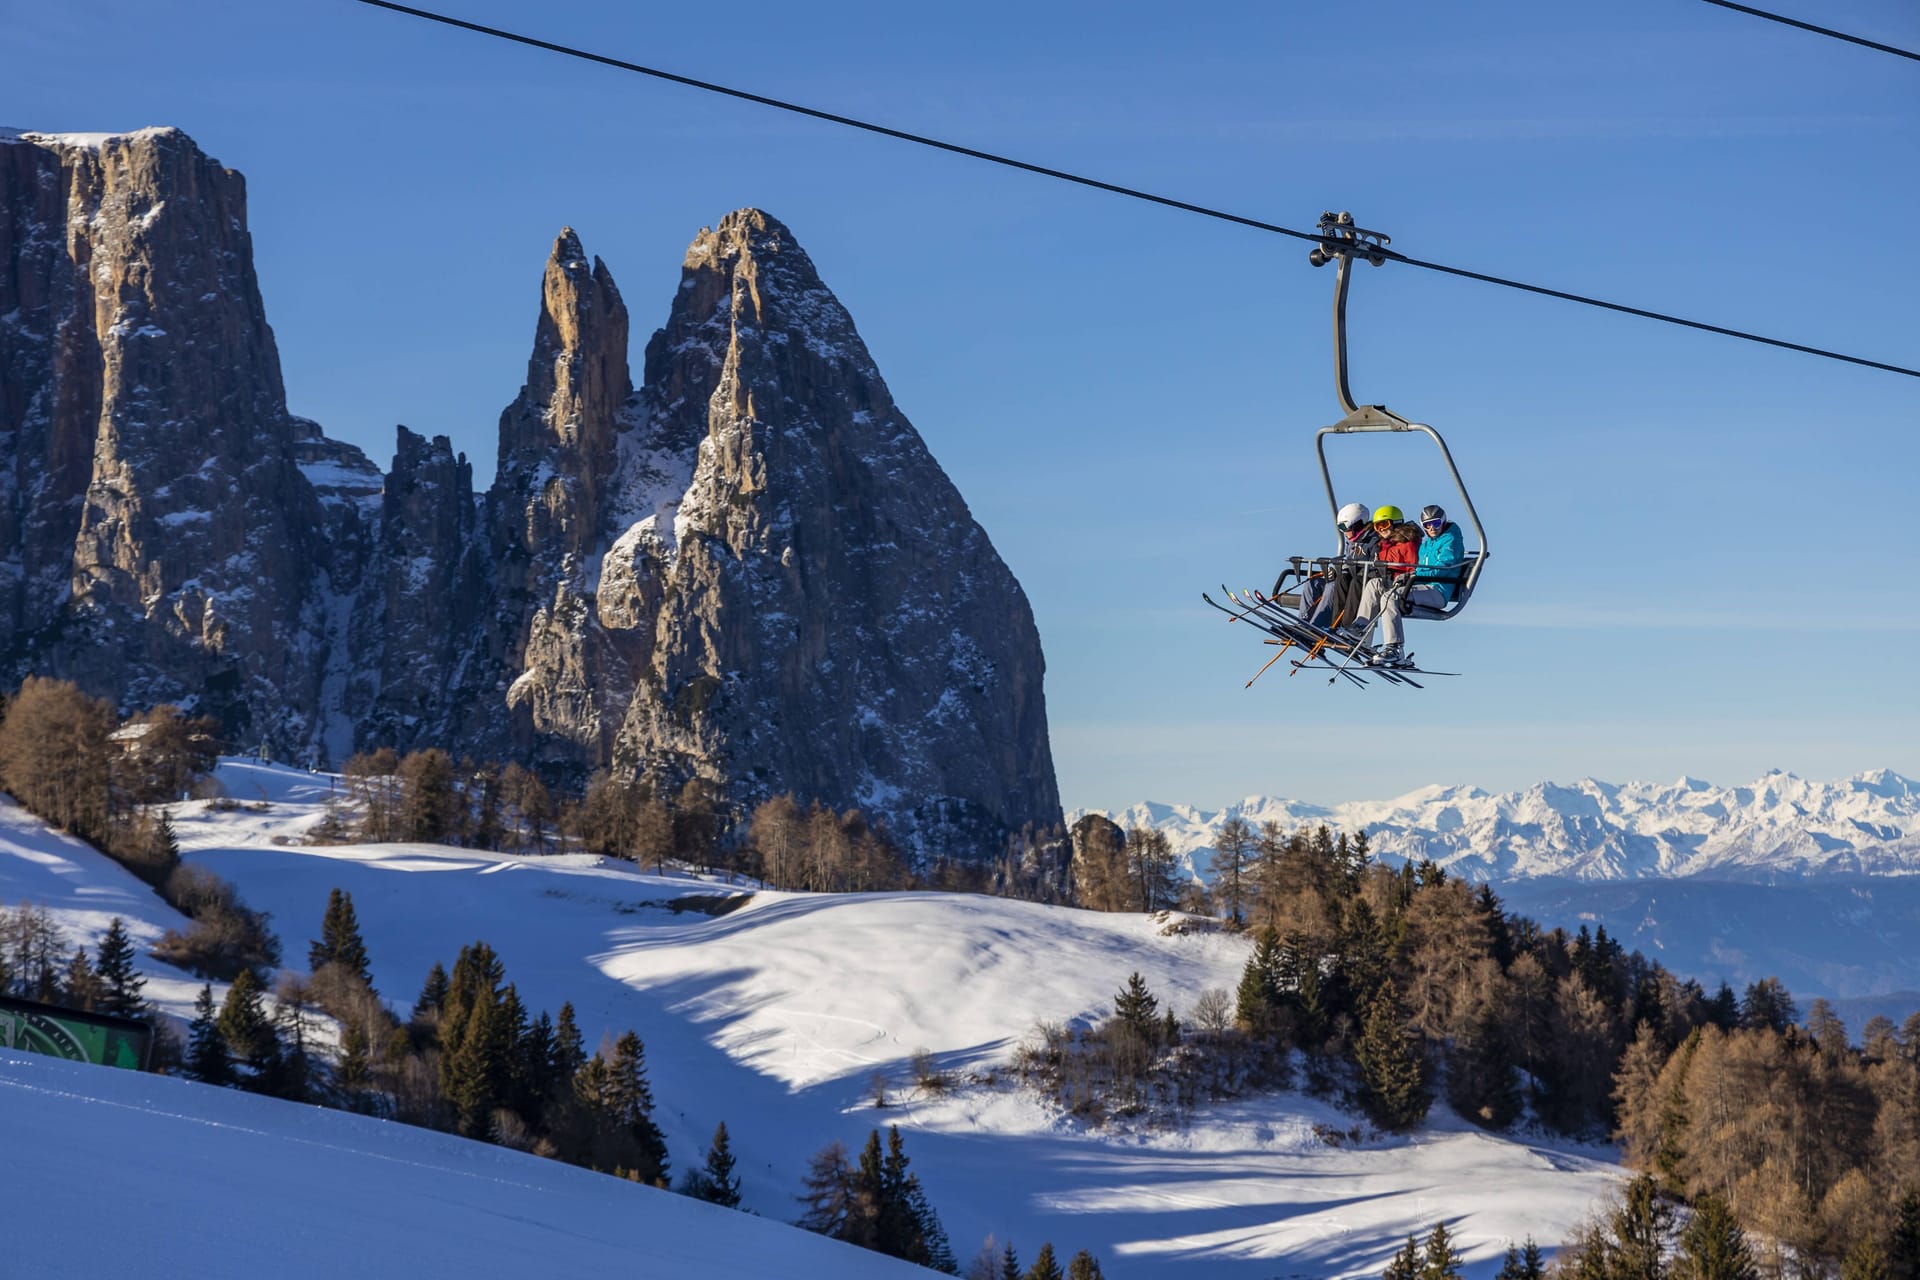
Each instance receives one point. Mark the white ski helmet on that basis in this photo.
(1352, 515)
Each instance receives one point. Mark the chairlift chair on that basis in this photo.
(1276, 613)
(1341, 244)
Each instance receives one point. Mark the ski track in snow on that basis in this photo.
(773, 1018)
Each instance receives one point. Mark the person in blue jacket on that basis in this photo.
(1434, 583)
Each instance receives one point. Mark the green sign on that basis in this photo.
(68, 1033)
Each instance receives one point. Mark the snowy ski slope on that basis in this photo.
(773, 1018)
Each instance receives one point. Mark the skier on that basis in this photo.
(1441, 553)
(1324, 599)
(1399, 554)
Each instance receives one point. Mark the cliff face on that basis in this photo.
(833, 621)
(166, 543)
(549, 516)
(748, 569)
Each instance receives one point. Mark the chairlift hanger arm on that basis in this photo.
(1341, 242)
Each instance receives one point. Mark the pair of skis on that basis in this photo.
(1317, 645)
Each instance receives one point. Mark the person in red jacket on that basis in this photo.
(1399, 556)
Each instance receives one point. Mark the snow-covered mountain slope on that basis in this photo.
(224, 1185)
(775, 1018)
(1778, 827)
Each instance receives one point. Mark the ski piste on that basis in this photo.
(1318, 645)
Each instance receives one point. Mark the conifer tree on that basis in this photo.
(1084, 1267)
(629, 1099)
(207, 1057)
(1406, 1263)
(533, 1063)
(569, 1049)
(1044, 1267)
(1361, 953)
(355, 1070)
(1903, 1244)
(716, 1180)
(1865, 1261)
(1232, 856)
(1723, 1011)
(1300, 967)
(473, 1074)
(120, 981)
(828, 1194)
(1134, 1006)
(340, 943)
(249, 1033)
(1768, 1005)
(477, 977)
(1481, 1083)
(1010, 1264)
(1393, 1091)
(1258, 999)
(1359, 857)
(1523, 1263)
(80, 988)
(1642, 1227)
(433, 994)
(1441, 1261)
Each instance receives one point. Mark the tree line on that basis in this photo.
(69, 760)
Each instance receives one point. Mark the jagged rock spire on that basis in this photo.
(834, 622)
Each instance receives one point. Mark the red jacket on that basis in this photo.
(1400, 547)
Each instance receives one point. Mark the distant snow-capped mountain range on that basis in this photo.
(1780, 827)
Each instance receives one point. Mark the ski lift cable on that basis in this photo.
(1822, 31)
(1113, 188)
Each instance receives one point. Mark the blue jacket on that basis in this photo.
(1438, 555)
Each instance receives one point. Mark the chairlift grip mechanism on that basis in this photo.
(1340, 242)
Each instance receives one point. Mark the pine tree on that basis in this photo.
(1406, 1263)
(473, 1074)
(1642, 1227)
(1258, 999)
(1010, 1264)
(249, 1033)
(717, 1179)
(1481, 1083)
(80, 988)
(355, 1070)
(1084, 1267)
(207, 1058)
(1903, 1244)
(569, 1049)
(340, 943)
(1393, 1091)
(1134, 1006)
(1865, 1261)
(1523, 1263)
(1442, 1260)
(630, 1098)
(1723, 1011)
(1044, 1267)
(120, 981)
(433, 994)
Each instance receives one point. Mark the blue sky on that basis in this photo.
(1703, 550)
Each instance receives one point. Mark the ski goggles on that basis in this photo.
(1433, 526)
(1350, 526)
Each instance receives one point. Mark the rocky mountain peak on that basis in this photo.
(834, 622)
(168, 540)
(749, 569)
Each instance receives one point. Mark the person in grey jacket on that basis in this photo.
(1337, 594)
